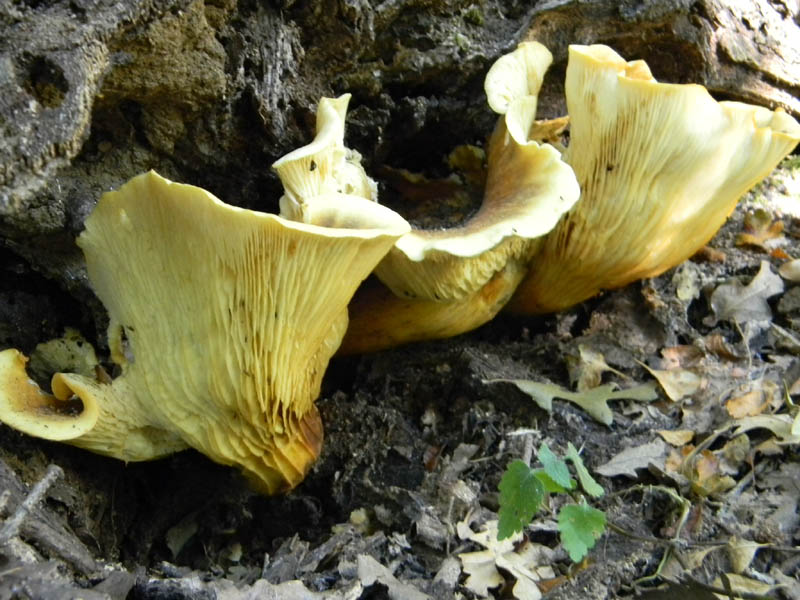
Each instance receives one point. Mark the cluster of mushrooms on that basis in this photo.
(222, 333)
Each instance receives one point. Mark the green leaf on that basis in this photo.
(589, 485)
(550, 486)
(580, 526)
(555, 467)
(521, 494)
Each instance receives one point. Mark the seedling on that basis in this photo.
(523, 491)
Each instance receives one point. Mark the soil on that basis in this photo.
(416, 442)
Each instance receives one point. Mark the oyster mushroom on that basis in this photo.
(449, 281)
(222, 321)
(660, 166)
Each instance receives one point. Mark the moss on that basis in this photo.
(474, 15)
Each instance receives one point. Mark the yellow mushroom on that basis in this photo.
(452, 280)
(660, 166)
(222, 320)
(324, 166)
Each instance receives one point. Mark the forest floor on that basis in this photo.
(701, 484)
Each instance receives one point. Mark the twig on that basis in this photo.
(11, 527)
(527, 452)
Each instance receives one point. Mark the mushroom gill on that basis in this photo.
(222, 320)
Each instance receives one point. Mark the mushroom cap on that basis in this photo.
(660, 165)
(324, 166)
(528, 188)
(517, 74)
(224, 319)
(80, 411)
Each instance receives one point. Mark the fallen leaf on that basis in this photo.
(687, 282)
(370, 571)
(742, 584)
(586, 369)
(681, 356)
(676, 437)
(675, 567)
(677, 383)
(780, 425)
(779, 253)
(593, 401)
(676, 458)
(748, 405)
(719, 346)
(709, 254)
(741, 553)
(735, 453)
(746, 303)
(758, 229)
(526, 562)
(630, 460)
(706, 477)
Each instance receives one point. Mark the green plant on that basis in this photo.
(523, 491)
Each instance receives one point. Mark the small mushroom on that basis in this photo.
(222, 320)
(470, 271)
(324, 166)
(660, 166)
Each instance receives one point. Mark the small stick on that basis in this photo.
(11, 527)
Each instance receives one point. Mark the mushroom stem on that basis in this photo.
(379, 319)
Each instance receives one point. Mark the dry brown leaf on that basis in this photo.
(706, 477)
(758, 229)
(769, 447)
(735, 453)
(631, 459)
(779, 253)
(681, 356)
(706, 465)
(742, 584)
(677, 383)
(676, 437)
(748, 405)
(746, 304)
(586, 369)
(741, 552)
(719, 346)
(709, 254)
(675, 568)
(676, 458)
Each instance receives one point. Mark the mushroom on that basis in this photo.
(660, 166)
(452, 280)
(222, 320)
(323, 166)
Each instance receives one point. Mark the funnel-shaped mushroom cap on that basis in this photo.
(324, 166)
(516, 75)
(660, 166)
(102, 418)
(223, 320)
(528, 188)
